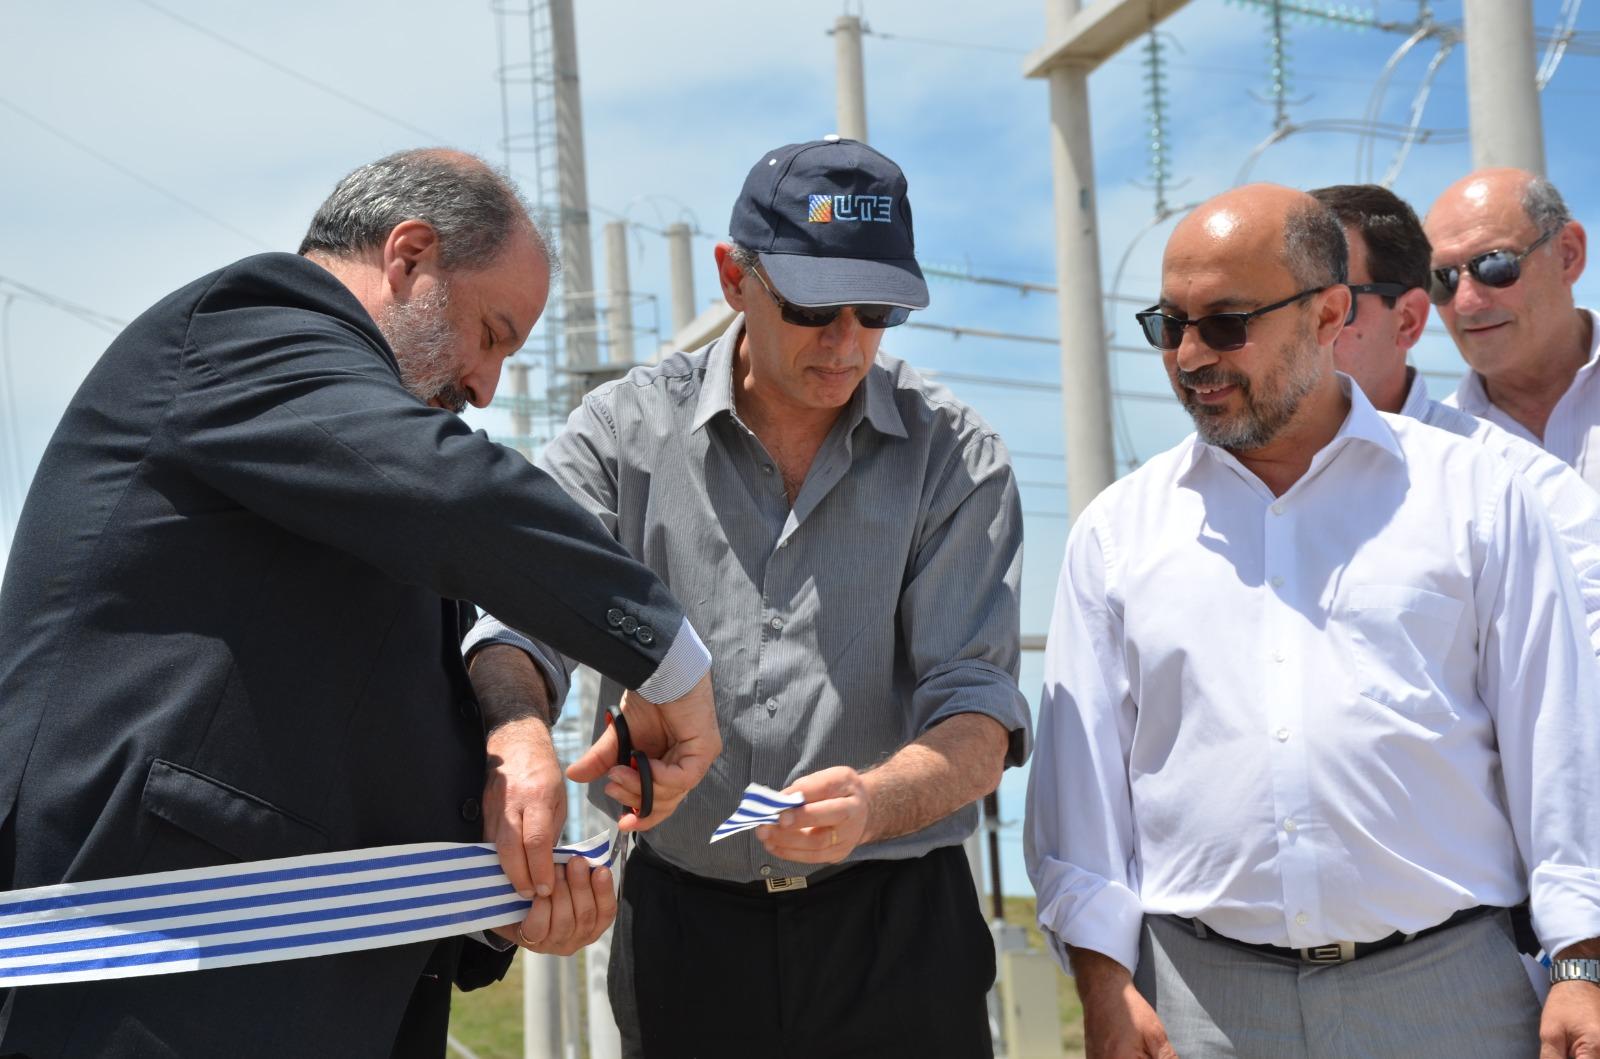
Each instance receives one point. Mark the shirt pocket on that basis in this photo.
(1399, 637)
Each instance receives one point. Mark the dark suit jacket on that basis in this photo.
(227, 631)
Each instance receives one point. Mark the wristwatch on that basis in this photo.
(1575, 971)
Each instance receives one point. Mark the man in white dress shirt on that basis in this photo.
(1389, 267)
(1506, 253)
(1318, 704)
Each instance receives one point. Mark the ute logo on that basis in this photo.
(824, 208)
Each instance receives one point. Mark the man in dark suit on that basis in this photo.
(229, 628)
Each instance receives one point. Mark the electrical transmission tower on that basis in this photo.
(541, 119)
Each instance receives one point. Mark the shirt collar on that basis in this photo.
(872, 401)
(716, 392)
(1471, 397)
(1364, 423)
(1416, 402)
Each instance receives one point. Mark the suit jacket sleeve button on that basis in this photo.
(630, 625)
(470, 810)
(646, 635)
(614, 617)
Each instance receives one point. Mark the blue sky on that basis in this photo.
(143, 153)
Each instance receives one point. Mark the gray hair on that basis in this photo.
(1544, 205)
(473, 208)
(1314, 248)
(743, 256)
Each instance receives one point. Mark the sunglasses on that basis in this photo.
(1382, 290)
(876, 317)
(1497, 268)
(1223, 332)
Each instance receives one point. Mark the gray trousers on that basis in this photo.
(1461, 993)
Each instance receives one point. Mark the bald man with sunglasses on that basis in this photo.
(1506, 254)
(1390, 276)
(1319, 705)
(847, 537)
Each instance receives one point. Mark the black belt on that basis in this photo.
(774, 884)
(1334, 951)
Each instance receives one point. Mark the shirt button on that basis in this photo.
(1277, 582)
(766, 869)
(1278, 656)
(1289, 823)
(776, 623)
(1302, 919)
(614, 617)
(766, 468)
(1282, 734)
(470, 809)
(1277, 509)
(645, 635)
(630, 625)
(784, 543)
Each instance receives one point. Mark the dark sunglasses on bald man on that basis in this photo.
(1496, 268)
(876, 317)
(1223, 332)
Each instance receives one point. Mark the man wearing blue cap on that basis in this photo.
(847, 538)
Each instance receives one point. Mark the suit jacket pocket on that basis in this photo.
(236, 822)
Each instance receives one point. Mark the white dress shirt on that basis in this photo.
(1573, 431)
(1573, 507)
(1353, 709)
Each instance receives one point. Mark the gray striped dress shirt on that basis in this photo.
(883, 602)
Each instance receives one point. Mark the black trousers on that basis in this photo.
(885, 958)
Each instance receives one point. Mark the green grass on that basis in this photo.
(489, 1021)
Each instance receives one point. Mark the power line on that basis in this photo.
(130, 173)
(105, 322)
(978, 332)
(289, 71)
(967, 45)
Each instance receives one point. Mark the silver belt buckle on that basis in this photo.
(1333, 952)
(787, 882)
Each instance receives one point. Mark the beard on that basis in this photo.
(424, 344)
(1268, 407)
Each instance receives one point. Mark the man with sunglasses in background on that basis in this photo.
(1318, 703)
(847, 538)
(1389, 276)
(1506, 253)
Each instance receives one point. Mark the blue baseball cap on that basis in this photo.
(832, 225)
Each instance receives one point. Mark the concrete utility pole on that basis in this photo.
(577, 258)
(541, 1007)
(852, 92)
(680, 259)
(1085, 370)
(619, 304)
(605, 1041)
(1080, 39)
(1502, 89)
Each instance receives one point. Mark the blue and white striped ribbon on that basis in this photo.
(760, 805)
(285, 909)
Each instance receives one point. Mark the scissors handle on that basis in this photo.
(634, 759)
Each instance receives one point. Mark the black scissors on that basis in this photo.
(634, 759)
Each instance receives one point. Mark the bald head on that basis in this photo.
(1523, 333)
(473, 209)
(1258, 223)
(1275, 257)
(1486, 191)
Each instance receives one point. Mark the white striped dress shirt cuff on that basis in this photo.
(686, 662)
